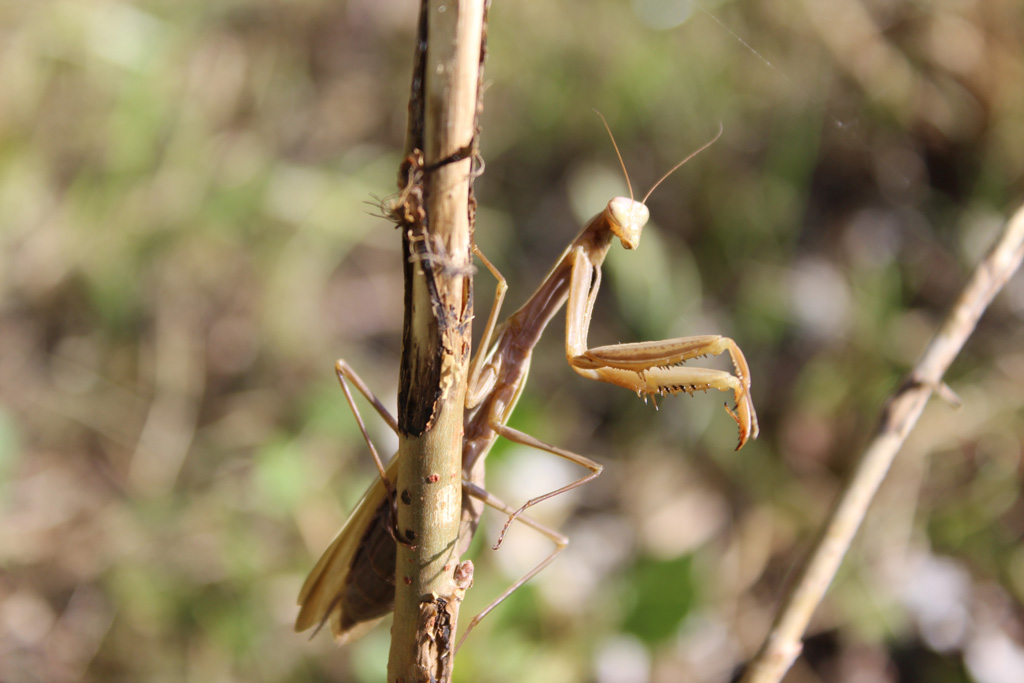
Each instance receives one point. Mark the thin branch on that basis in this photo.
(901, 412)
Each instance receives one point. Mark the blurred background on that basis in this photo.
(188, 241)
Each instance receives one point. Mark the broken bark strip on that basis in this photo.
(437, 209)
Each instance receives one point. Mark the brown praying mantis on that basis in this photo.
(352, 585)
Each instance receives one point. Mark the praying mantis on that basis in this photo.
(352, 585)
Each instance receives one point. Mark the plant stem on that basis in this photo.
(436, 339)
(899, 415)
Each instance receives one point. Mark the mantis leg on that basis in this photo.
(345, 372)
(528, 440)
(560, 541)
(654, 367)
(477, 389)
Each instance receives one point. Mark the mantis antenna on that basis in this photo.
(676, 167)
(619, 154)
(670, 171)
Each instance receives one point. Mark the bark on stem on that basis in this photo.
(901, 412)
(436, 338)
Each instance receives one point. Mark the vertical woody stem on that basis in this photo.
(436, 341)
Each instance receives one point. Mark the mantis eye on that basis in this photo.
(628, 218)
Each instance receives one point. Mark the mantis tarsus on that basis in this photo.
(352, 585)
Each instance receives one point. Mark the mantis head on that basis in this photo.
(628, 218)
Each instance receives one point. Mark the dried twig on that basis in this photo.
(783, 643)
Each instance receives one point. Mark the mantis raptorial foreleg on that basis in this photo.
(650, 368)
(646, 368)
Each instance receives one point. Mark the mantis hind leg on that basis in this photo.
(532, 441)
(560, 541)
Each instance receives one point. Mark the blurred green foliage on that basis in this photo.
(188, 240)
(656, 613)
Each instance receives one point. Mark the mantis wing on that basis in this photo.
(321, 599)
